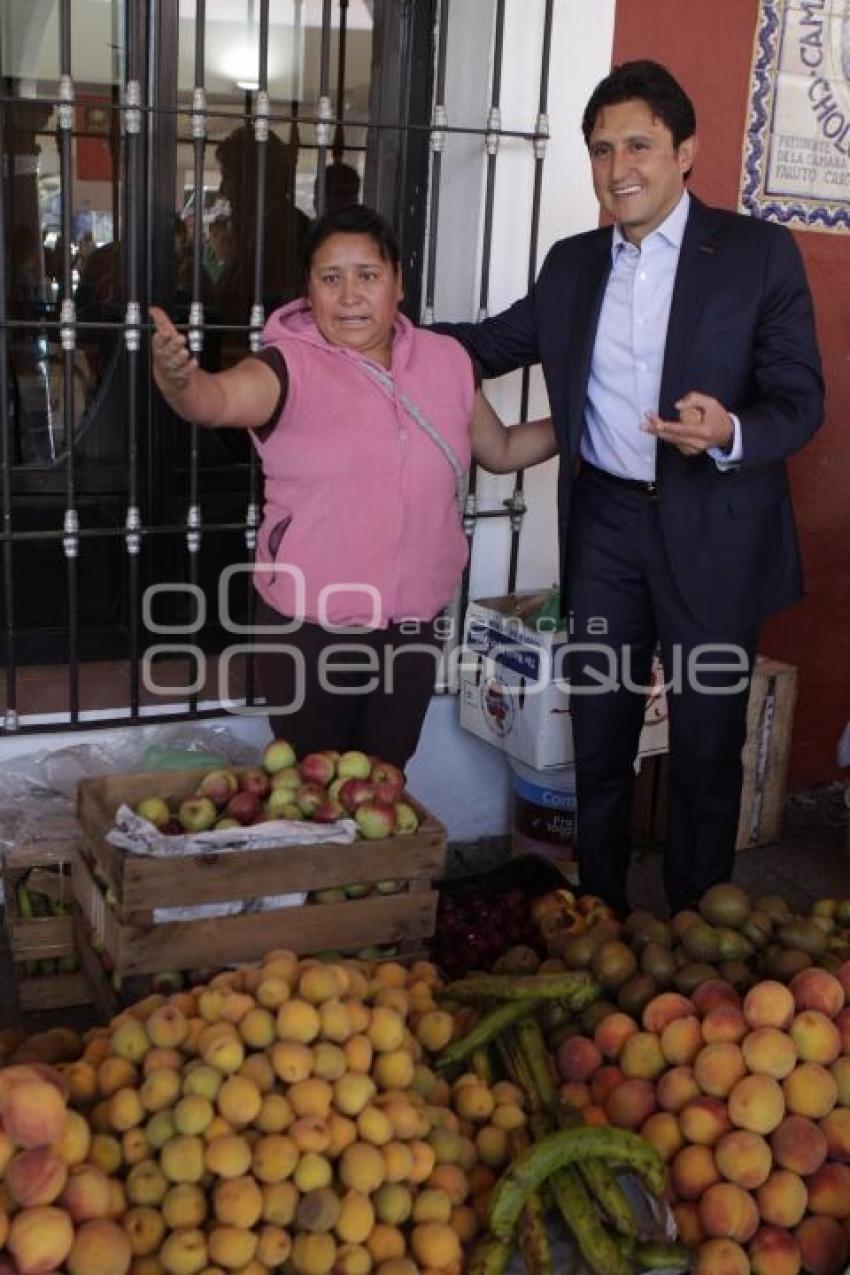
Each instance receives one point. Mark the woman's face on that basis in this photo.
(354, 295)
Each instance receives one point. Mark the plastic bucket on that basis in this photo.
(544, 820)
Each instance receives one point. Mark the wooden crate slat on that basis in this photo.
(52, 991)
(247, 936)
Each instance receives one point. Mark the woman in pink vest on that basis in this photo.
(364, 425)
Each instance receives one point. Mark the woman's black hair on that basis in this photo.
(357, 219)
(649, 82)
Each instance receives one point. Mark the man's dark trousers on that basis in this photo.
(622, 599)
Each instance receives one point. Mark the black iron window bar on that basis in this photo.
(134, 111)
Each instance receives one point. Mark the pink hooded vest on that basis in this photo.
(361, 523)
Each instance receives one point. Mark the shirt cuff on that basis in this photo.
(729, 459)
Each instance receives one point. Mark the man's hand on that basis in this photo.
(703, 423)
(173, 364)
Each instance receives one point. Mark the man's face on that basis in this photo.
(638, 172)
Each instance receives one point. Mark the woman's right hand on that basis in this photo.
(173, 364)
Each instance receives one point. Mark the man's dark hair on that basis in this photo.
(357, 219)
(649, 82)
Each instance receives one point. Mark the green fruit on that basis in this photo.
(738, 974)
(613, 964)
(689, 977)
(576, 951)
(656, 961)
(787, 962)
(775, 907)
(701, 942)
(733, 945)
(634, 994)
(593, 1014)
(517, 960)
(804, 936)
(725, 904)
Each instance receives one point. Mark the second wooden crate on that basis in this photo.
(44, 940)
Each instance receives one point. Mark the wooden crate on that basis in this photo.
(770, 718)
(39, 938)
(117, 892)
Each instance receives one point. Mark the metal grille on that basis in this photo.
(124, 513)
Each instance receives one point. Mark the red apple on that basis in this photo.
(196, 814)
(406, 819)
(388, 781)
(218, 785)
(354, 765)
(277, 755)
(256, 781)
(354, 792)
(155, 810)
(375, 819)
(316, 768)
(242, 806)
(308, 797)
(173, 828)
(328, 811)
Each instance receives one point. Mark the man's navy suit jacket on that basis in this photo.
(741, 328)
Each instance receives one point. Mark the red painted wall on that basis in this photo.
(708, 47)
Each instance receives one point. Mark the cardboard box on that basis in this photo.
(770, 718)
(509, 692)
(116, 892)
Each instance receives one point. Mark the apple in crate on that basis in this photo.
(280, 804)
(155, 810)
(388, 781)
(317, 768)
(196, 814)
(406, 819)
(375, 819)
(354, 765)
(354, 792)
(328, 811)
(277, 755)
(218, 785)
(226, 824)
(390, 887)
(243, 806)
(255, 780)
(286, 778)
(308, 797)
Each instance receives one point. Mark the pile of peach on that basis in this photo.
(283, 1115)
(748, 1102)
(42, 1149)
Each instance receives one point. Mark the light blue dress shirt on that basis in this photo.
(625, 371)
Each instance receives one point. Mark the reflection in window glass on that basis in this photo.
(228, 221)
(31, 61)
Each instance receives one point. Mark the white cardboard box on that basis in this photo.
(510, 695)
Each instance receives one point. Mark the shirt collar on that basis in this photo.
(671, 230)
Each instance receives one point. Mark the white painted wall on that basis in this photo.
(462, 779)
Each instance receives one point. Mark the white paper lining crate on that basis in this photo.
(47, 865)
(116, 907)
(508, 695)
(770, 719)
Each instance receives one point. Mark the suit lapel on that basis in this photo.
(693, 279)
(580, 333)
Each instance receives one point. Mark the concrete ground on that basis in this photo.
(811, 861)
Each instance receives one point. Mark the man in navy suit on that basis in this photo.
(682, 368)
